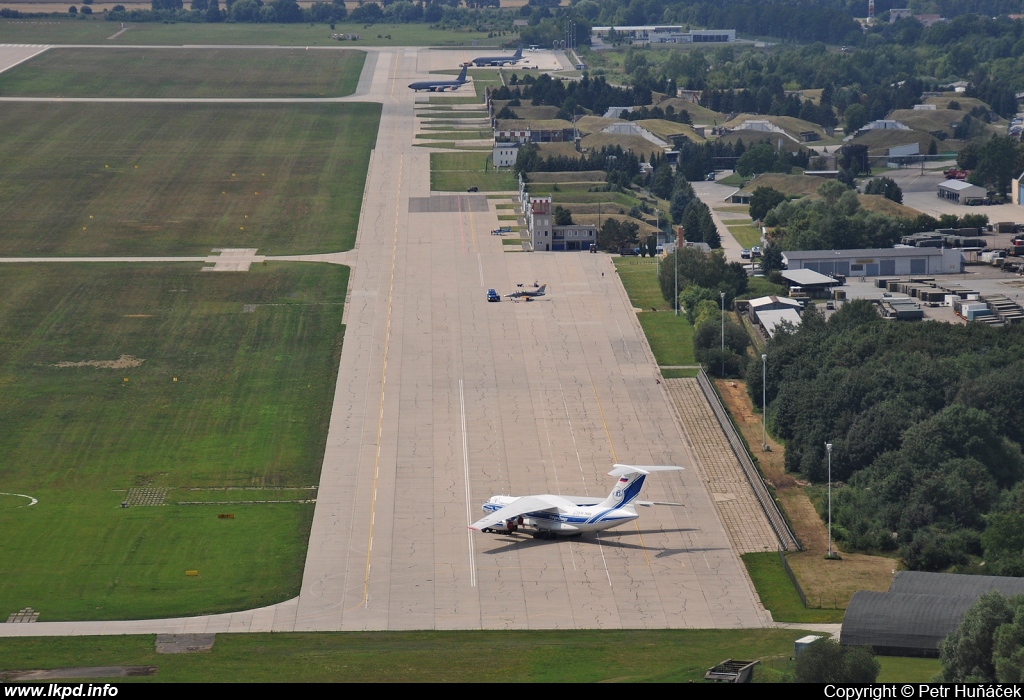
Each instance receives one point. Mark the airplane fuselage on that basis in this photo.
(434, 88)
(583, 518)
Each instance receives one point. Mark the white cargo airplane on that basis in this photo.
(552, 516)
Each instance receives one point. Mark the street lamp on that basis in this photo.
(828, 446)
(764, 405)
(723, 334)
(675, 260)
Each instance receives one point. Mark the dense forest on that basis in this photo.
(924, 420)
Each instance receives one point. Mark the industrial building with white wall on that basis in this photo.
(872, 262)
(960, 192)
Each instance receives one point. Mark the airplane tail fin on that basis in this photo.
(542, 288)
(462, 75)
(631, 481)
(519, 52)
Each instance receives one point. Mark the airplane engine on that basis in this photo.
(512, 525)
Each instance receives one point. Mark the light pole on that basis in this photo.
(764, 405)
(828, 446)
(675, 260)
(723, 334)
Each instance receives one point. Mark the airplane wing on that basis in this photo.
(522, 506)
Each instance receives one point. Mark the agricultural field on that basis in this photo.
(161, 384)
(98, 31)
(181, 179)
(203, 73)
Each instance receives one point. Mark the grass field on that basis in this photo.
(225, 380)
(98, 31)
(590, 656)
(120, 179)
(777, 593)
(746, 234)
(684, 373)
(185, 73)
(670, 337)
(899, 669)
(460, 171)
(639, 277)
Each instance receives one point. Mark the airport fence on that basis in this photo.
(787, 540)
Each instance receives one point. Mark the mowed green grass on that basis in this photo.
(747, 235)
(640, 278)
(176, 179)
(589, 656)
(234, 390)
(203, 73)
(460, 171)
(670, 337)
(98, 31)
(777, 593)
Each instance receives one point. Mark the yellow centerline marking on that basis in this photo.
(383, 381)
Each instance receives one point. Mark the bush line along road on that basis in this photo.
(443, 400)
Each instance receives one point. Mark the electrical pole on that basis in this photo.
(764, 405)
(828, 446)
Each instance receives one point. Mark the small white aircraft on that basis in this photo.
(552, 516)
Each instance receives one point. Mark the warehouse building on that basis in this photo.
(872, 262)
(918, 611)
(960, 192)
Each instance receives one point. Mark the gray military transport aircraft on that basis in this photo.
(441, 85)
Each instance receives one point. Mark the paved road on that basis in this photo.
(443, 399)
(713, 194)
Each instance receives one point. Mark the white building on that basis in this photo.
(504, 154)
(545, 236)
(875, 262)
(665, 34)
(960, 192)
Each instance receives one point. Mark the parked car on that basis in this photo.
(474, 188)
(756, 250)
(710, 177)
(492, 295)
(745, 254)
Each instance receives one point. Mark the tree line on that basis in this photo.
(924, 423)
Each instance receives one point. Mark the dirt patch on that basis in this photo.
(827, 584)
(138, 315)
(123, 362)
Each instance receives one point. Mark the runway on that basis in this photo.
(444, 399)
